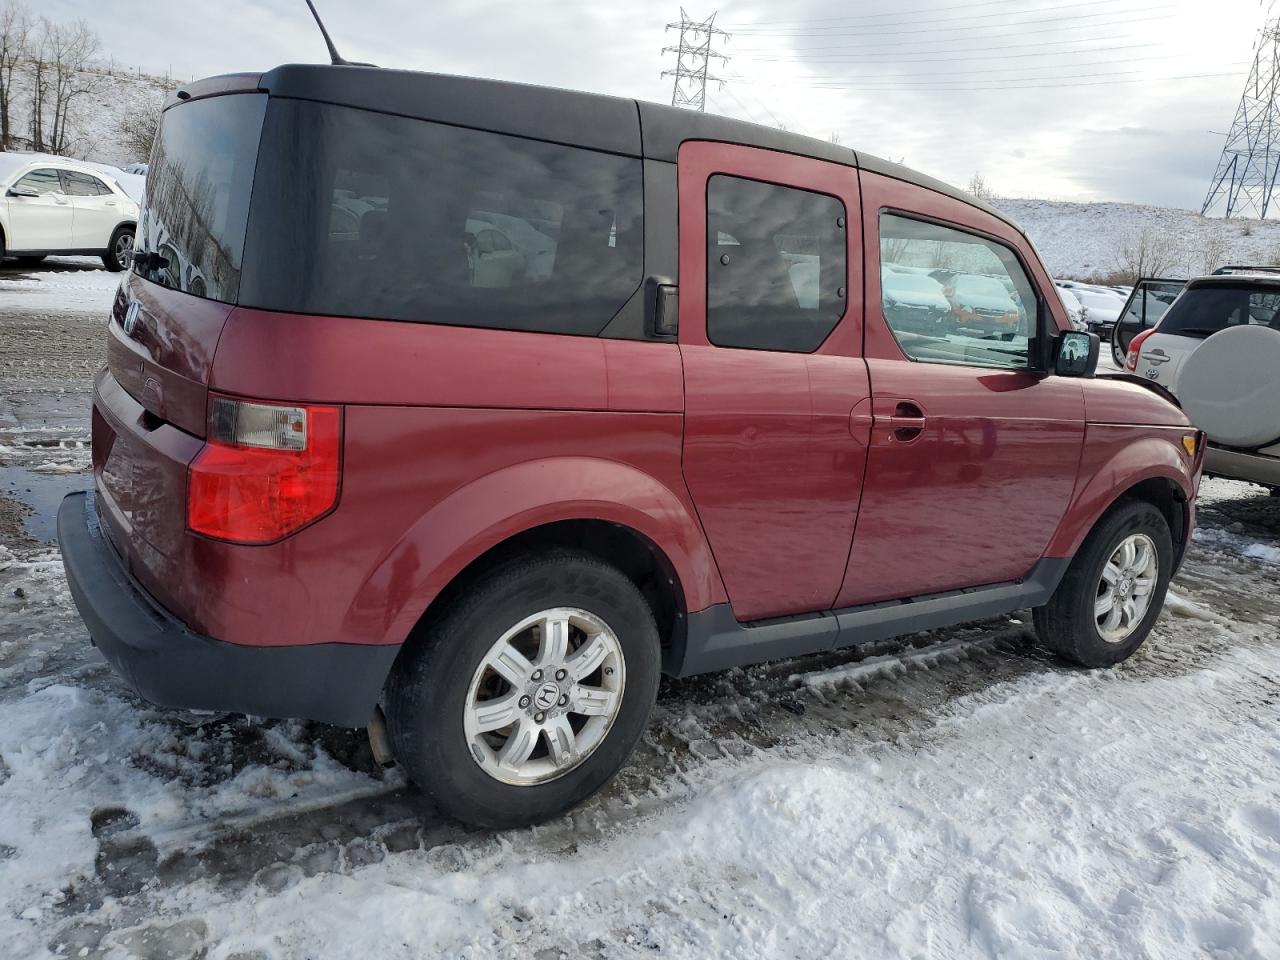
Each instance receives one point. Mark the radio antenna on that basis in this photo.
(334, 57)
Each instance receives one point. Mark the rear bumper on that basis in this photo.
(1236, 465)
(171, 666)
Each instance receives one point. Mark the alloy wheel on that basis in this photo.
(1125, 587)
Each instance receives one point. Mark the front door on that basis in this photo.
(42, 222)
(770, 337)
(975, 445)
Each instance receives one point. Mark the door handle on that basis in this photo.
(108, 203)
(907, 421)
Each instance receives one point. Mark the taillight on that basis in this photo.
(1131, 358)
(265, 471)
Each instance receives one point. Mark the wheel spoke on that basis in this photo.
(1142, 556)
(1111, 572)
(587, 658)
(1104, 603)
(1127, 552)
(561, 742)
(490, 715)
(554, 645)
(519, 745)
(593, 701)
(1143, 586)
(1130, 613)
(1113, 618)
(512, 665)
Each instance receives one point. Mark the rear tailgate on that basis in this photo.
(1160, 357)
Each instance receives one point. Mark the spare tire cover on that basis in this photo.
(1230, 386)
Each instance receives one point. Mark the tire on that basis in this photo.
(436, 679)
(31, 260)
(119, 251)
(1068, 624)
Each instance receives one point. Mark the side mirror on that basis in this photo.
(21, 192)
(1077, 354)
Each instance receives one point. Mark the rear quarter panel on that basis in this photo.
(453, 440)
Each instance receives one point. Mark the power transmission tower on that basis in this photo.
(1245, 181)
(693, 60)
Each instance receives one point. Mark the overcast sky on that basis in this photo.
(1063, 99)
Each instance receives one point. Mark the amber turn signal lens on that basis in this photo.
(1189, 444)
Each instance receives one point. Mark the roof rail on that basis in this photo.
(1237, 268)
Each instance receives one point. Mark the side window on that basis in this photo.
(403, 219)
(41, 181)
(776, 270)
(955, 297)
(82, 185)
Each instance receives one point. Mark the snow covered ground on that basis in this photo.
(953, 795)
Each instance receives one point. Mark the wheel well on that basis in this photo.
(637, 557)
(1166, 497)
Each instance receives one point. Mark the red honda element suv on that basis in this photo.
(482, 405)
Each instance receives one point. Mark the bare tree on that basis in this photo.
(1213, 250)
(979, 188)
(138, 128)
(69, 47)
(1148, 253)
(15, 41)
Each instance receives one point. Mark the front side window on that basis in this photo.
(1208, 308)
(363, 214)
(192, 228)
(955, 297)
(776, 270)
(77, 184)
(41, 181)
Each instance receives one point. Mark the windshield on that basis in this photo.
(1204, 310)
(191, 232)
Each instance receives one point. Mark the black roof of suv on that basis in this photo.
(589, 120)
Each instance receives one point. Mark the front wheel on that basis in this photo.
(120, 250)
(1113, 590)
(528, 693)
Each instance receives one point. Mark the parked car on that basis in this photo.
(982, 303)
(1217, 349)
(1101, 305)
(1148, 302)
(915, 302)
(483, 519)
(52, 205)
(1076, 312)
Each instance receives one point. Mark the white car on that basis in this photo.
(52, 205)
(1217, 350)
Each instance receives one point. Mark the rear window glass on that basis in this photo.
(368, 215)
(198, 188)
(1204, 310)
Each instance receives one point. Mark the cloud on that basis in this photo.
(1061, 98)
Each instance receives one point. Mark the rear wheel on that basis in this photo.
(1113, 590)
(528, 693)
(120, 250)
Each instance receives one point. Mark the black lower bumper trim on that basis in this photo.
(171, 666)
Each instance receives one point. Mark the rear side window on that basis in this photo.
(368, 215)
(955, 297)
(41, 181)
(198, 188)
(776, 270)
(1204, 310)
(82, 185)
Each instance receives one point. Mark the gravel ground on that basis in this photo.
(954, 794)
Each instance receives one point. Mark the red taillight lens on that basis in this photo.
(265, 471)
(1131, 358)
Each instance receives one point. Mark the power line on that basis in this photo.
(874, 31)
(931, 8)
(877, 29)
(1014, 84)
(962, 73)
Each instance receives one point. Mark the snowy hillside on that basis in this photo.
(1083, 240)
(96, 118)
